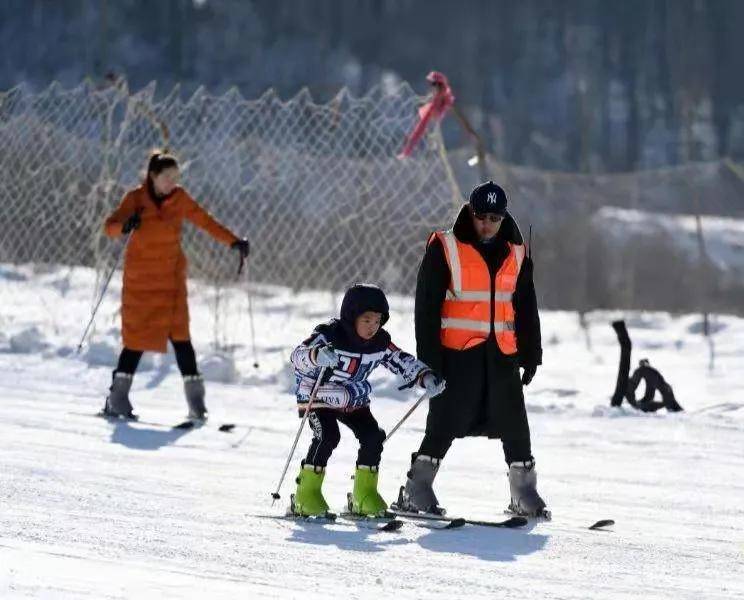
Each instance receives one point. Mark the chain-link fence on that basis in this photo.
(318, 190)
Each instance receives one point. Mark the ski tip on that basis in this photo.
(602, 523)
(392, 525)
(227, 427)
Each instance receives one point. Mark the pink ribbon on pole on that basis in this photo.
(441, 101)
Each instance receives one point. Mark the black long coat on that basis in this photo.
(484, 390)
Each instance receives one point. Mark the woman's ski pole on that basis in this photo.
(250, 309)
(275, 495)
(250, 318)
(105, 287)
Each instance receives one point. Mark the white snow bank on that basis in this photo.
(28, 341)
(724, 237)
(101, 354)
(219, 367)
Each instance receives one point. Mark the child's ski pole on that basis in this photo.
(425, 396)
(275, 495)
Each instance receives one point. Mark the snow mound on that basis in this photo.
(28, 341)
(9, 274)
(627, 411)
(101, 354)
(698, 327)
(219, 367)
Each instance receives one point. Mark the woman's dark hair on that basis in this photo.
(159, 161)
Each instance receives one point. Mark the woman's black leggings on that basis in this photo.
(185, 357)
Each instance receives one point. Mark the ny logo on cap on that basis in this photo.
(492, 198)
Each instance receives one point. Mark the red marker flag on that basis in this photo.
(441, 101)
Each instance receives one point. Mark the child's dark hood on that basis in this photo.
(362, 297)
(359, 299)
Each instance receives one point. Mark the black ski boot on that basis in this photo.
(418, 496)
(525, 501)
(117, 402)
(193, 387)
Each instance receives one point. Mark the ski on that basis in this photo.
(547, 516)
(402, 519)
(326, 519)
(456, 522)
(383, 525)
(445, 525)
(602, 523)
(193, 424)
(183, 425)
(377, 523)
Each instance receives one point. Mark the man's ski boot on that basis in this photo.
(418, 496)
(525, 501)
(117, 402)
(308, 500)
(365, 500)
(193, 387)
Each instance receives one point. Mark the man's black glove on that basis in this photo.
(131, 223)
(243, 247)
(528, 373)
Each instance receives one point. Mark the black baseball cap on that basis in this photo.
(488, 198)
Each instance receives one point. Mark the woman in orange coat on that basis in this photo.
(154, 306)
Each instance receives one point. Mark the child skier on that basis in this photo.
(350, 348)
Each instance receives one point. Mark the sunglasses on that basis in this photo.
(488, 216)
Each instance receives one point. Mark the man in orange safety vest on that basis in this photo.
(477, 324)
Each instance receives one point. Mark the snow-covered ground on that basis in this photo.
(90, 509)
(724, 236)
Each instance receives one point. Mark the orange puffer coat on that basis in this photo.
(154, 299)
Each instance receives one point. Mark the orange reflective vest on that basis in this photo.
(466, 311)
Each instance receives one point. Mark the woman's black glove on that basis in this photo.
(131, 223)
(243, 247)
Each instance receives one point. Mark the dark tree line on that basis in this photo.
(583, 85)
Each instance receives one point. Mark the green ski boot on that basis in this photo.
(308, 499)
(365, 499)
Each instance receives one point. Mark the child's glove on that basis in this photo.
(433, 384)
(325, 356)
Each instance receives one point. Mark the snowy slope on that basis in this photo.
(724, 236)
(90, 509)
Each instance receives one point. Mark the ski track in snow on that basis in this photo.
(92, 509)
